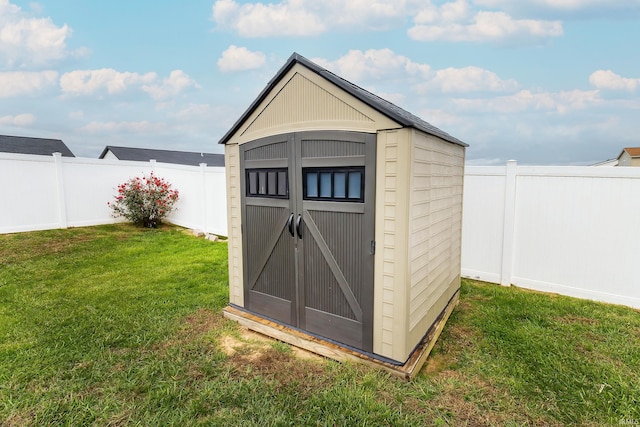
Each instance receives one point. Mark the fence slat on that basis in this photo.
(62, 199)
(508, 223)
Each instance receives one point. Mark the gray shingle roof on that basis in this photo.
(27, 145)
(164, 156)
(383, 106)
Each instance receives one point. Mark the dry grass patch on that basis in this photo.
(573, 319)
(472, 401)
(251, 353)
(193, 328)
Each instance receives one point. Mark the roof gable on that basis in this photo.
(292, 100)
(632, 151)
(164, 156)
(38, 146)
(382, 106)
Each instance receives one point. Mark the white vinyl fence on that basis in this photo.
(569, 230)
(42, 192)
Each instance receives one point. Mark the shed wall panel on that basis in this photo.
(435, 224)
(391, 294)
(234, 218)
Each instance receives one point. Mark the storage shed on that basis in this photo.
(344, 216)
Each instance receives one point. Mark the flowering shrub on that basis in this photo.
(144, 201)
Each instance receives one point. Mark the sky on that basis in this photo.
(546, 82)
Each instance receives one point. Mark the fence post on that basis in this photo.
(203, 176)
(509, 222)
(62, 200)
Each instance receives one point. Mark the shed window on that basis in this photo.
(272, 183)
(333, 184)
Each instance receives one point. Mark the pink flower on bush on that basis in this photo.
(144, 201)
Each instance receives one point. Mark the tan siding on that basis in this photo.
(302, 101)
(627, 160)
(391, 297)
(234, 217)
(435, 229)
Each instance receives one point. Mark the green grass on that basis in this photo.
(114, 325)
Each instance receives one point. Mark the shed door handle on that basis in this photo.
(298, 226)
(290, 225)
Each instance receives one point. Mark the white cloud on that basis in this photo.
(437, 24)
(296, 18)
(468, 79)
(9, 12)
(88, 82)
(457, 20)
(125, 126)
(449, 12)
(384, 65)
(525, 100)
(374, 64)
(240, 59)
(25, 83)
(20, 120)
(607, 79)
(28, 41)
(112, 82)
(177, 82)
(288, 18)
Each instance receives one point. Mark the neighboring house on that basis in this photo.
(162, 156)
(39, 146)
(629, 157)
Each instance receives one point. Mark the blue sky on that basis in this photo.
(539, 81)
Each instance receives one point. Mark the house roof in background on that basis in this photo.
(28, 145)
(383, 106)
(164, 156)
(632, 151)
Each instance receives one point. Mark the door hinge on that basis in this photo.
(373, 247)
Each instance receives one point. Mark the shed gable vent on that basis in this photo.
(301, 100)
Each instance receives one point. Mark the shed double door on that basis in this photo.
(308, 232)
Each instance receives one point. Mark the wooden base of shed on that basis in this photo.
(337, 352)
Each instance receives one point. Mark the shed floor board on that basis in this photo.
(336, 352)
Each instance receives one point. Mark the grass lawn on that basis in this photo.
(118, 326)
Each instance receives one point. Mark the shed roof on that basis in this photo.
(381, 105)
(164, 156)
(631, 151)
(28, 145)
